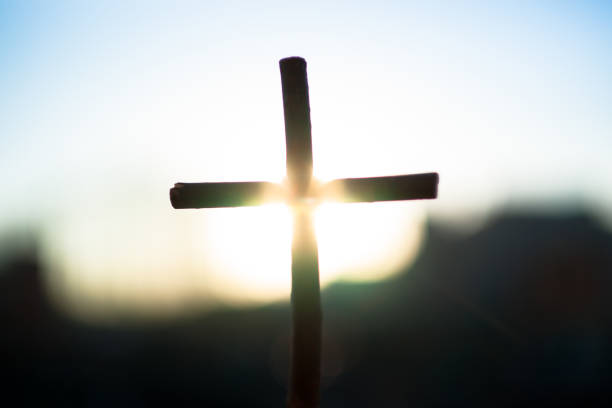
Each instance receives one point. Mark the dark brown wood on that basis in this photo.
(298, 140)
(306, 314)
(391, 188)
(305, 294)
(235, 194)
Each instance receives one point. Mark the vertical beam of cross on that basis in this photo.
(305, 293)
(305, 369)
(301, 193)
(296, 107)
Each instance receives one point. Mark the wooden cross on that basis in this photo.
(302, 193)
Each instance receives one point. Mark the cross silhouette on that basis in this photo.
(302, 193)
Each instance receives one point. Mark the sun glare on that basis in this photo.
(249, 252)
(249, 249)
(366, 241)
(153, 261)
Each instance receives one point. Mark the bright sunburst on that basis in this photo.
(248, 249)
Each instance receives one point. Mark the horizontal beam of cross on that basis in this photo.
(238, 194)
(390, 188)
(234, 194)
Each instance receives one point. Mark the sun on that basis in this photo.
(248, 250)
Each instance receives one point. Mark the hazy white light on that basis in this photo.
(366, 241)
(248, 251)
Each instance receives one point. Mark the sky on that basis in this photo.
(105, 106)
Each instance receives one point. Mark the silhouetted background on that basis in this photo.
(495, 294)
(516, 314)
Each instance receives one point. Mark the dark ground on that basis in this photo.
(518, 314)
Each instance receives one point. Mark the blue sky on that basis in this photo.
(104, 106)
